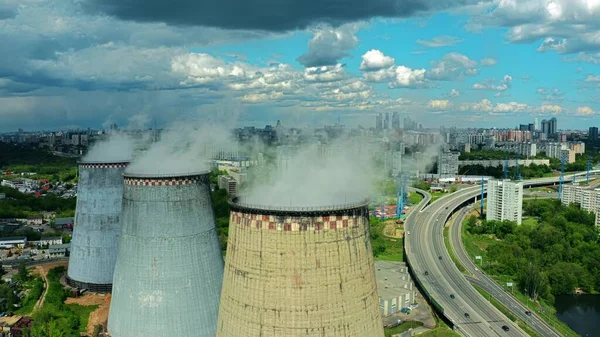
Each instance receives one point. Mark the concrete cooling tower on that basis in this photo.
(96, 231)
(299, 272)
(169, 268)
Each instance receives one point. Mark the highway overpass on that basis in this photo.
(444, 284)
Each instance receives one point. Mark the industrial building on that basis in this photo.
(61, 250)
(448, 164)
(504, 200)
(299, 272)
(394, 286)
(169, 270)
(228, 183)
(96, 232)
(587, 198)
(15, 241)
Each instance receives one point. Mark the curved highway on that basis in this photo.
(469, 312)
(491, 286)
(426, 254)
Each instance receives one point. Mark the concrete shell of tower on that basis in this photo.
(96, 231)
(299, 273)
(169, 268)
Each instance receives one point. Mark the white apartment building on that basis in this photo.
(448, 164)
(588, 199)
(504, 200)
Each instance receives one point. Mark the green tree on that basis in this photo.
(22, 274)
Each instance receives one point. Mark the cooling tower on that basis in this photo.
(299, 272)
(169, 268)
(96, 231)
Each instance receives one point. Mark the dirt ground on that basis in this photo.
(98, 316)
(43, 269)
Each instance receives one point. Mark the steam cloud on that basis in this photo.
(182, 149)
(117, 148)
(313, 177)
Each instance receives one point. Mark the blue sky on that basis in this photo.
(492, 63)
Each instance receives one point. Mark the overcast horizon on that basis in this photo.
(463, 63)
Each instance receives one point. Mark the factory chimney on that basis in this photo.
(96, 231)
(169, 268)
(299, 272)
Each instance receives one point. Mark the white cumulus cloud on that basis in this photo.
(375, 60)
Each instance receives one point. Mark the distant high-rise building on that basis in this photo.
(531, 127)
(536, 125)
(409, 124)
(448, 163)
(593, 134)
(395, 120)
(545, 128)
(379, 121)
(504, 200)
(523, 127)
(553, 126)
(386, 122)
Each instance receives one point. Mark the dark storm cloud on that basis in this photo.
(269, 15)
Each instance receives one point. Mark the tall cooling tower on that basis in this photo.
(169, 268)
(299, 272)
(96, 231)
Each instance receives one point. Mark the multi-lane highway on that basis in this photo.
(490, 286)
(462, 304)
(426, 254)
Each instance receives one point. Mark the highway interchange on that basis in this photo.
(432, 266)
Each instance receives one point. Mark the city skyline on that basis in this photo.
(452, 63)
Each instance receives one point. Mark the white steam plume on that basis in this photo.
(182, 149)
(313, 177)
(117, 148)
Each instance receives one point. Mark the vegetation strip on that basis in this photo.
(553, 252)
(451, 251)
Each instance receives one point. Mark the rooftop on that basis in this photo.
(13, 238)
(392, 279)
(129, 174)
(238, 204)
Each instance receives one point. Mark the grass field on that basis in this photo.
(84, 314)
(451, 251)
(414, 198)
(529, 221)
(401, 328)
(476, 245)
(436, 195)
(440, 332)
(385, 248)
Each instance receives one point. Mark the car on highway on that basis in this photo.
(452, 296)
(426, 272)
(440, 257)
(467, 315)
(528, 313)
(505, 328)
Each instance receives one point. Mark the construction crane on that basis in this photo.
(401, 198)
(562, 176)
(482, 186)
(589, 168)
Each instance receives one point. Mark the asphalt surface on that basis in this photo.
(424, 248)
(490, 286)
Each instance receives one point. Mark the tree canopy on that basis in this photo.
(551, 258)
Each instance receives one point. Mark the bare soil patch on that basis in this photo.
(98, 316)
